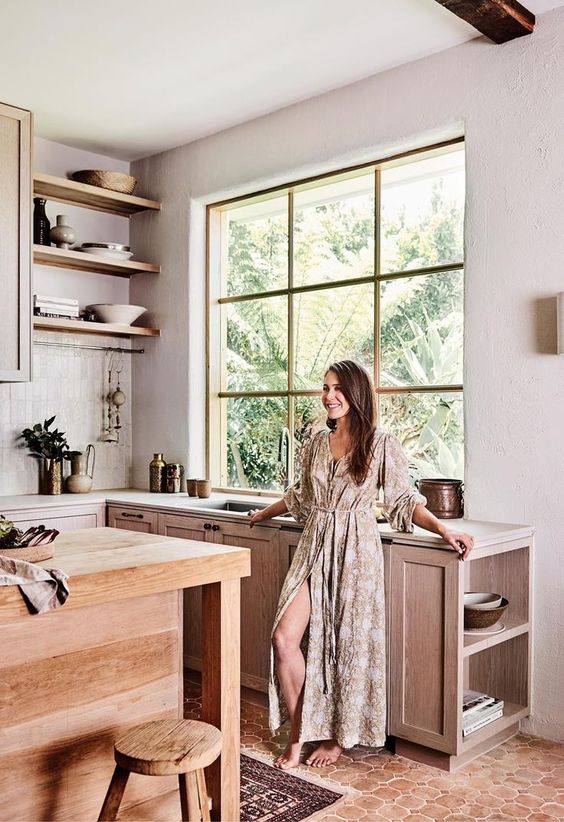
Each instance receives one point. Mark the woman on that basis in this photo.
(332, 602)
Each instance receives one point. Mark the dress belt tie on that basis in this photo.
(341, 510)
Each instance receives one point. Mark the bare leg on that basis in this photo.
(290, 664)
(326, 753)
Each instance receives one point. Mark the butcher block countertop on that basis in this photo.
(106, 564)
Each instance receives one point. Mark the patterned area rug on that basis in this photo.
(270, 794)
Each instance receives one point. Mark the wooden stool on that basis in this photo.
(162, 748)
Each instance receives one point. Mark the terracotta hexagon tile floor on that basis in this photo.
(523, 779)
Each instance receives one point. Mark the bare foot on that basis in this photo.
(326, 753)
(290, 758)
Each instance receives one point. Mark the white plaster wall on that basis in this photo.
(70, 383)
(509, 102)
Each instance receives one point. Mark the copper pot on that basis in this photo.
(445, 497)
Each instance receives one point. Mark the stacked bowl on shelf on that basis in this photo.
(483, 610)
(111, 251)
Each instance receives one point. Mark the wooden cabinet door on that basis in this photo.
(69, 519)
(132, 519)
(288, 541)
(259, 595)
(15, 244)
(425, 637)
(190, 526)
(186, 526)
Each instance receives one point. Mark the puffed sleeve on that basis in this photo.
(400, 497)
(299, 496)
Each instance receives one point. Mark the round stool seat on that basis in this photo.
(168, 746)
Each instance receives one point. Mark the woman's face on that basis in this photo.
(333, 398)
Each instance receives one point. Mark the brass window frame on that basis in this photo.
(216, 250)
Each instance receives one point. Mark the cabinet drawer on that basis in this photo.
(132, 519)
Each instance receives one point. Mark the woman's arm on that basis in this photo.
(274, 510)
(460, 541)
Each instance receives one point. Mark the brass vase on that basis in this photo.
(51, 476)
(157, 474)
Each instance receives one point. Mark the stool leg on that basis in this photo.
(203, 795)
(189, 797)
(114, 796)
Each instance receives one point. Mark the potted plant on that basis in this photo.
(51, 448)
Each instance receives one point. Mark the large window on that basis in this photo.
(366, 264)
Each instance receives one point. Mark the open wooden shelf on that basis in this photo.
(474, 643)
(512, 712)
(98, 199)
(80, 261)
(110, 329)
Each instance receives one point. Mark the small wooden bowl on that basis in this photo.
(476, 618)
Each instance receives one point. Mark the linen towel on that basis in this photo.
(42, 588)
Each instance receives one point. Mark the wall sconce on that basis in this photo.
(560, 322)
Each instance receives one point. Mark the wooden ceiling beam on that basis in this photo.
(500, 20)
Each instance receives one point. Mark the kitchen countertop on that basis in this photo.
(106, 564)
(483, 532)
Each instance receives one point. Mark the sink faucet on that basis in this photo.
(284, 455)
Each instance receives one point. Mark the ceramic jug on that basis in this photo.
(80, 480)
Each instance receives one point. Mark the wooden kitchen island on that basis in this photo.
(73, 679)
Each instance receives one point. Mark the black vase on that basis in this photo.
(41, 225)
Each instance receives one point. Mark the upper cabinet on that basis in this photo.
(15, 244)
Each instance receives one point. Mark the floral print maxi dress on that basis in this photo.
(340, 553)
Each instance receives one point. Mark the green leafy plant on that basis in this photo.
(46, 443)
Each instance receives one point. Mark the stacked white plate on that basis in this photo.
(111, 251)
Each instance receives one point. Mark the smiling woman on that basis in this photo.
(364, 265)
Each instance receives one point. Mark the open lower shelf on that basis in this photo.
(512, 712)
(109, 329)
(474, 643)
(63, 258)
(80, 194)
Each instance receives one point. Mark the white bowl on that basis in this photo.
(123, 314)
(481, 601)
(107, 253)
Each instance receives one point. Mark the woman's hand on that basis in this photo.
(275, 509)
(255, 516)
(459, 541)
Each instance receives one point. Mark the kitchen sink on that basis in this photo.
(236, 506)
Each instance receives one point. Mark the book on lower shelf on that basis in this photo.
(40, 312)
(62, 307)
(478, 710)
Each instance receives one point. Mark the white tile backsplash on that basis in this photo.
(73, 384)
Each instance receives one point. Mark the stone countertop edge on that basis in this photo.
(483, 531)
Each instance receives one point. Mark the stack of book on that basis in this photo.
(55, 307)
(478, 710)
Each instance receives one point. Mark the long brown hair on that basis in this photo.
(357, 388)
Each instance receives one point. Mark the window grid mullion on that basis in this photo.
(290, 298)
(377, 256)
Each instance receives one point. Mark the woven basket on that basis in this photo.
(112, 180)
